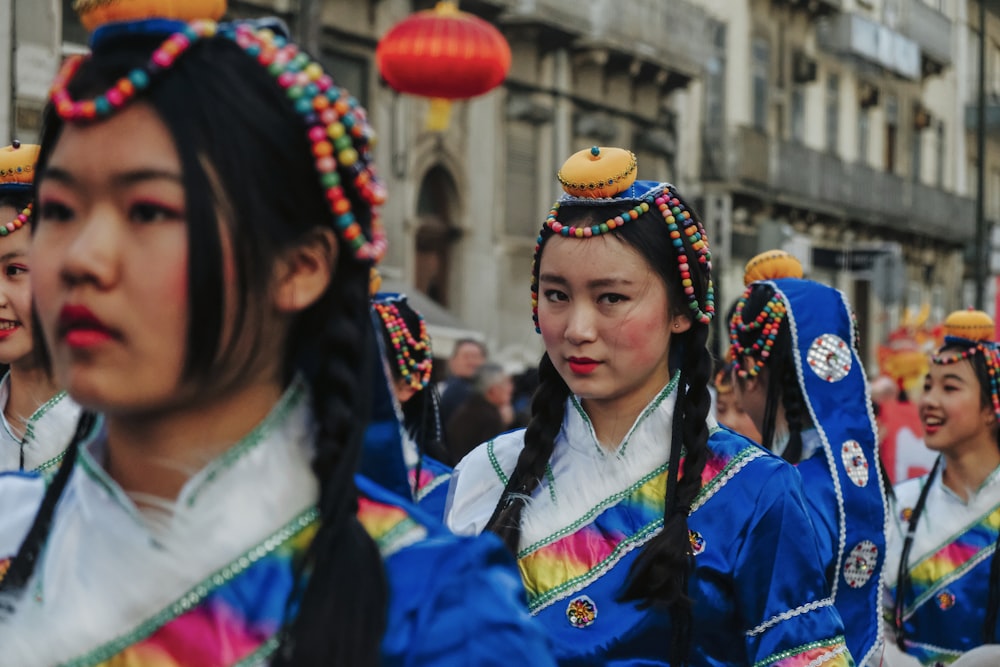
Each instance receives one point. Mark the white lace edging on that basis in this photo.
(791, 613)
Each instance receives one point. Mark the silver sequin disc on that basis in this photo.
(855, 462)
(860, 564)
(830, 357)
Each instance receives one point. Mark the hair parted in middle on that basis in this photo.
(603, 197)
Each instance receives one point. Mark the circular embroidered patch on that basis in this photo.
(581, 611)
(945, 600)
(697, 542)
(830, 357)
(905, 514)
(860, 564)
(855, 462)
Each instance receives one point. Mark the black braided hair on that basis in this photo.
(249, 180)
(660, 574)
(23, 564)
(548, 406)
(782, 378)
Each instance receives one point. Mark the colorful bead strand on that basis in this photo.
(23, 218)
(337, 126)
(406, 348)
(768, 323)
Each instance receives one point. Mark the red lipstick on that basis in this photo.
(7, 331)
(582, 365)
(80, 328)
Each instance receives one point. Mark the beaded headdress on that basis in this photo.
(413, 355)
(972, 330)
(607, 177)
(748, 360)
(335, 123)
(17, 173)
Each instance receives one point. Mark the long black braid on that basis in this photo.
(660, 575)
(548, 406)
(782, 378)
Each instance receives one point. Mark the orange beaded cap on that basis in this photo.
(598, 172)
(969, 324)
(17, 164)
(95, 13)
(772, 265)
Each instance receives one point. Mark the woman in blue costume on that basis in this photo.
(408, 354)
(36, 418)
(645, 534)
(793, 346)
(943, 573)
(202, 252)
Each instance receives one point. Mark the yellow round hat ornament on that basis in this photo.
(95, 13)
(17, 165)
(772, 265)
(598, 172)
(969, 324)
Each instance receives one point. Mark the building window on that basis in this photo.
(436, 233)
(523, 179)
(864, 135)
(891, 130)
(941, 156)
(349, 71)
(761, 69)
(798, 114)
(73, 31)
(832, 112)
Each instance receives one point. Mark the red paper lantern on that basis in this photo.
(445, 54)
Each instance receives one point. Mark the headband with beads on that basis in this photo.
(17, 172)
(749, 360)
(337, 125)
(414, 358)
(973, 330)
(607, 176)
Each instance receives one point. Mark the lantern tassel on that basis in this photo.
(438, 115)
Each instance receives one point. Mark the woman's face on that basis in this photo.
(951, 409)
(605, 319)
(110, 262)
(15, 293)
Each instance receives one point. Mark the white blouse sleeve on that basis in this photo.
(478, 482)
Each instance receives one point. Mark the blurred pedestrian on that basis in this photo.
(901, 435)
(466, 358)
(485, 414)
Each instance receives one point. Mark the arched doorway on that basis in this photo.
(437, 204)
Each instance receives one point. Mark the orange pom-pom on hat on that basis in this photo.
(772, 265)
(17, 166)
(598, 172)
(95, 13)
(969, 324)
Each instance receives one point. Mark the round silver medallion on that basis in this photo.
(860, 564)
(830, 357)
(855, 462)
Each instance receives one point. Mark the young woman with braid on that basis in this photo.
(202, 254)
(645, 534)
(943, 571)
(406, 348)
(800, 379)
(36, 418)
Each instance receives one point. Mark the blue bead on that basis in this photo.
(139, 78)
(102, 105)
(595, 150)
(564, 231)
(303, 105)
(344, 220)
(595, 229)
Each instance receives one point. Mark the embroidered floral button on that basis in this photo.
(860, 564)
(581, 611)
(905, 514)
(697, 542)
(855, 462)
(945, 600)
(830, 357)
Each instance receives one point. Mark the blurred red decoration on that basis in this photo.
(443, 53)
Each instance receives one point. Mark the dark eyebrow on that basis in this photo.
(591, 284)
(65, 177)
(6, 257)
(952, 376)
